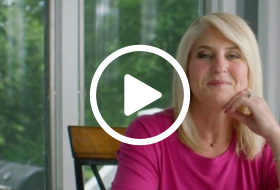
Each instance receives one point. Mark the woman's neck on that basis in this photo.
(212, 123)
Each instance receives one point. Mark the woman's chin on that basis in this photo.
(218, 102)
(215, 100)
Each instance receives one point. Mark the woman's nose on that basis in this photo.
(219, 65)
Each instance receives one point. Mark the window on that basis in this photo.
(111, 25)
(23, 110)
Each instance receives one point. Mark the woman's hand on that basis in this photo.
(260, 120)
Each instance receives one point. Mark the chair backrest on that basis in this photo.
(93, 142)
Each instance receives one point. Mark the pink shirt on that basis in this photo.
(170, 165)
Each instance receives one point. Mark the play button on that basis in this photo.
(134, 97)
(137, 95)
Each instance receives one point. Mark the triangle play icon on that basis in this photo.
(137, 95)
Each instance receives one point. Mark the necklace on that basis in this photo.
(213, 144)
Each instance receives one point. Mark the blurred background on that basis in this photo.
(50, 50)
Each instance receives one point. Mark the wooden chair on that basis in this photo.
(92, 146)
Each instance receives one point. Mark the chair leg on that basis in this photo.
(79, 175)
(98, 178)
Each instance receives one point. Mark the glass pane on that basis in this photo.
(111, 25)
(22, 113)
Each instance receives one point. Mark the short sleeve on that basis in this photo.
(137, 164)
(269, 168)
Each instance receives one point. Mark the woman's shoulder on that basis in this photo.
(150, 125)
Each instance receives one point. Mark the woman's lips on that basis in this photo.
(218, 83)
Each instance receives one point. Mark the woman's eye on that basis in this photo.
(233, 56)
(204, 56)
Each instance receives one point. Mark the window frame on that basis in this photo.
(64, 60)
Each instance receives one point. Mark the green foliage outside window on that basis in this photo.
(111, 25)
(22, 81)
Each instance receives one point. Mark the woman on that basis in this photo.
(229, 138)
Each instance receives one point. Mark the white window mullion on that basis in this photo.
(70, 68)
(220, 6)
(81, 63)
(228, 6)
(64, 89)
(55, 92)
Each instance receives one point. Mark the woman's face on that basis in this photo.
(217, 70)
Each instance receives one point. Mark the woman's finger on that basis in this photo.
(241, 99)
(244, 118)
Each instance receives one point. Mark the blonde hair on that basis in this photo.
(235, 29)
